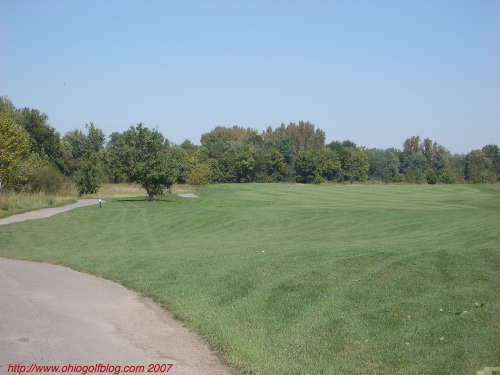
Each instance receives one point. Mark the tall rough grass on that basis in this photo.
(12, 203)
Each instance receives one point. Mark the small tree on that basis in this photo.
(446, 177)
(432, 177)
(146, 160)
(199, 175)
(88, 175)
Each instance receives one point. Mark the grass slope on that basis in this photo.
(303, 279)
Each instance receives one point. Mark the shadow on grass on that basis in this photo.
(144, 199)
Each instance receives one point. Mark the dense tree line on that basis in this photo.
(33, 156)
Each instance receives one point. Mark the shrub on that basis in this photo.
(432, 177)
(446, 177)
(46, 179)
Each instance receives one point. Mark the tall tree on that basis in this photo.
(355, 164)
(492, 152)
(16, 161)
(411, 146)
(44, 140)
(89, 175)
(384, 164)
(304, 136)
(318, 165)
(479, 168)
(146, 160)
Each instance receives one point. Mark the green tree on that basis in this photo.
(44, 140)
(446, 177)
(16, 161)
(95, 138)
(432, 177)
(89, 175)
(199, 175)
(415, 168)
(78, 148)
(492, 152)
(146, 160)
(456, 166)
(47, 179)
(74, 147)
(479, 168)
(246, 164)
(304, 136)
(383, 164)
(273, 167)
(113, 158)
(317, 166)
(354, 164)
(411, 146)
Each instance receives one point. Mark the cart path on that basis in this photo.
(52, 315)
(47, 212)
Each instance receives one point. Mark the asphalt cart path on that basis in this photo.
(55, 316)
(47, 212)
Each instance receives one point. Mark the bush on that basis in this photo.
(46, 179)
(446, 177)
(432, 177)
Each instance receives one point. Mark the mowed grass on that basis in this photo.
(303, 279)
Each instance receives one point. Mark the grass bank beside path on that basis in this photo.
(303, 279)
(14, 204)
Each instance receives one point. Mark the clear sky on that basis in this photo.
(374, 72)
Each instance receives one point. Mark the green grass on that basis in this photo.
(303, 279)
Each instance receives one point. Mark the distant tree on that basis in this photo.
(336, 146)
(273, 167)
(188, 145)
(479, 168)
(456, 166)
(44, 140)
(279, 141)
(113, 158)
(317, 166)
(47, 179)
(304, 136)
(492, 152)
(348, 143)
(446, 177)
(383, 164)
(246, 164)
(354, 164)
(95, 138)
(16, 161)
(432, 177)
(146, 160)
(182, 163)
(240, 135)
(415, 168)
(7, 106)
(89, 175)
(411, 146)
(199, 175)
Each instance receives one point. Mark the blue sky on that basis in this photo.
(374, 72)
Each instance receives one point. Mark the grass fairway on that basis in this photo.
(303, 279)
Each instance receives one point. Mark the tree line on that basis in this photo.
(35, 157)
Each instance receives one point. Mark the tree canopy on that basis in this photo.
(31, 149)
(146, 160)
